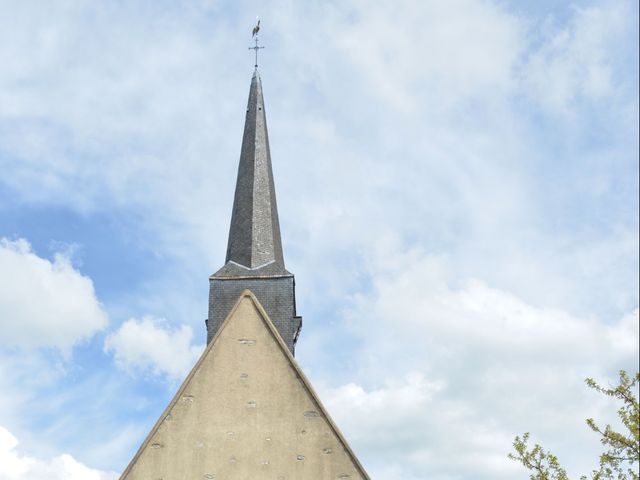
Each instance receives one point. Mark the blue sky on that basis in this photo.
(458, 193)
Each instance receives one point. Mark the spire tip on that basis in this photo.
(255, 48)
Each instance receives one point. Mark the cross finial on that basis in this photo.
(254, 34)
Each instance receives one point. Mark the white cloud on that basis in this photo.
(576, 59)
(17, 466)
(125, 98)
(145, 344)
(458, 158)
(431, 51)
(460, 368)
(378, 413)
(430, 137)
(43, 302)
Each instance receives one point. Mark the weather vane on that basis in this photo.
(254, 35)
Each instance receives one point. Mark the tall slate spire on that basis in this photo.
(254, 252)
(246, 410)
(254, 236)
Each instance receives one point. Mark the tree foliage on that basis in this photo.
(621, 457)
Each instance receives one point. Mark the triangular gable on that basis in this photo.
(246, 411)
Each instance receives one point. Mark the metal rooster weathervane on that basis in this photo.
(254, 35)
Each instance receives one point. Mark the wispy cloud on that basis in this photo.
(472, 366)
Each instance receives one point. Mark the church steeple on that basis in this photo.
(246, 410)
(254, 258)
(254, 235)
